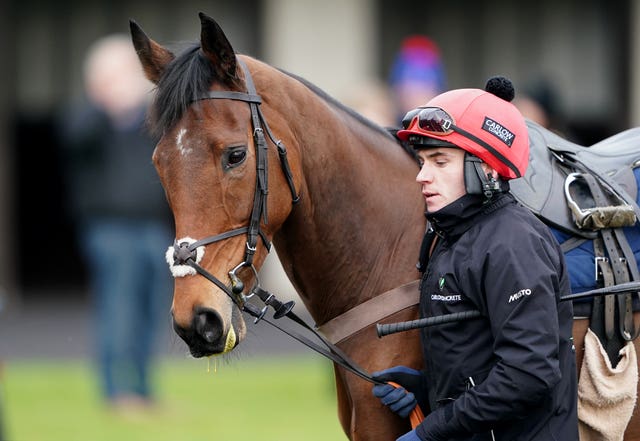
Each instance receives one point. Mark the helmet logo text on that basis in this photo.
(497, 130)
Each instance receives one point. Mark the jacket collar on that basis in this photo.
(457, 217)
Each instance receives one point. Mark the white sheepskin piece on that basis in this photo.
(183, 270)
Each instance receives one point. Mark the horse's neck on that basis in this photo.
(357, 229)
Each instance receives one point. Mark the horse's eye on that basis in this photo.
(235, 157)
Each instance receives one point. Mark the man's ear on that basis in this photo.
(489, 170)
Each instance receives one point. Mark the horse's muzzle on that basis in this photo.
(206, 334)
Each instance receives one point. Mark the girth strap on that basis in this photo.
(622, 261)
(603, 311)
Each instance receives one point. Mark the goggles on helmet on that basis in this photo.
(436, 121)
(431, 120)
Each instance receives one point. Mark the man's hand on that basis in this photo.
(397, 399)
(400, 400)
(412, 380)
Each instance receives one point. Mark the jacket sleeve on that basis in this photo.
(520, 292)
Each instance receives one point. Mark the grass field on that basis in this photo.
(291, 398)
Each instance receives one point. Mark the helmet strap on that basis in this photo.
(476, 181)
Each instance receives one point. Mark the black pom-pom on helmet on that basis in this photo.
(501, 87)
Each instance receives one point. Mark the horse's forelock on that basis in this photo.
(187, 77)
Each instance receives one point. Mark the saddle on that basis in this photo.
(552, 159)
(589, 193)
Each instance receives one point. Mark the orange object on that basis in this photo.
(416, 415)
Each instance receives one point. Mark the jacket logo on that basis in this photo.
(449, 298)
(497, 130)
(519, 295)
(441, 283)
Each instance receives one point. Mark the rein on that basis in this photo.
(186, 252)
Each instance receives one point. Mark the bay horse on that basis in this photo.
(341, 207)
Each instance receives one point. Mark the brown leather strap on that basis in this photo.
(371, 311)
(604, 270)
(622, 260)
(433, 245)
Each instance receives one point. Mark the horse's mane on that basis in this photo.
(190, 75)
(388, 132)
(335, 103)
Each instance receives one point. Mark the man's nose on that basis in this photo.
(424, 175)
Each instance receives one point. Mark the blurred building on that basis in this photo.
(587, 48)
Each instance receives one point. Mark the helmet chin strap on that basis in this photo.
(477, 181)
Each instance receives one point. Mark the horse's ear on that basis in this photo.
(217, 48)
(154, 58)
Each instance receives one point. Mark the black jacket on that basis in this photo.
(512, 371)
(109, 168)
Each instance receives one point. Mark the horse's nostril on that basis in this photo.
(208, 325)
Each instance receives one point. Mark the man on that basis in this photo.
(509, 374)
(123, 220)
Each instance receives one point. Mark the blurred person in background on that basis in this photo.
(122, 219)
(417, 74)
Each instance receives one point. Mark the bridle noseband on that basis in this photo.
(184, 253)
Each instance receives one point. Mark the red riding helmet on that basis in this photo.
(479, 122)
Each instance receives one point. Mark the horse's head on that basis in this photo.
(221, 173)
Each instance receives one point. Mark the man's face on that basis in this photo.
(441, 176)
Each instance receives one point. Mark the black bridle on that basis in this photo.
(185, 253)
